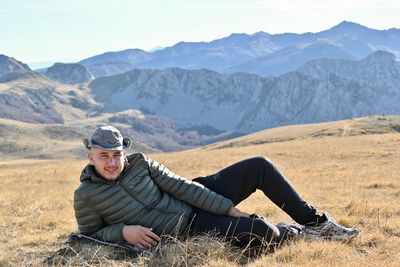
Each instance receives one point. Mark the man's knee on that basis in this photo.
(263, 163)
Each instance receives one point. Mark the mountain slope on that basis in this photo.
(31, 97)
(22, 140)
(378, 69)
(188, 97)
(247, 102)
(40, 141)
(344, 128)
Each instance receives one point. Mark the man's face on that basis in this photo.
(108, 164)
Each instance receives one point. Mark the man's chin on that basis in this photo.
(111, 176)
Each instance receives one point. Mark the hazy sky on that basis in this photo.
(69, 30)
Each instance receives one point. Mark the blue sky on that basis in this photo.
(60, 30)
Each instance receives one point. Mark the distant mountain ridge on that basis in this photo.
(259, 53)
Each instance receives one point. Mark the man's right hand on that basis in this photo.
(140, 236)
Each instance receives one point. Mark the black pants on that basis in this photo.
(239, 181)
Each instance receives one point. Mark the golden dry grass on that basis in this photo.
(355, 178)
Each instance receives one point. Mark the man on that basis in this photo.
(133, 199)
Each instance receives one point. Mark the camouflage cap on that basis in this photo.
(108, 138)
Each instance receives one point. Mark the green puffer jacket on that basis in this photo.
(146, 194)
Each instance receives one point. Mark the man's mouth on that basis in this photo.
(111, 169)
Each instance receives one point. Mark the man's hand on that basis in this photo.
(140, 236)
(235, 212)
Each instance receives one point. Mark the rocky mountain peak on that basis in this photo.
(71, 73)
(348, 27)
(9, 64)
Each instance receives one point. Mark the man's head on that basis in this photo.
(106, 151)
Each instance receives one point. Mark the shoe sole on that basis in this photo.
(331, 238)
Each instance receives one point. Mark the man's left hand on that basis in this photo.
(235, 212)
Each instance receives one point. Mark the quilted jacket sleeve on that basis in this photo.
(189, 191)
(90, 222)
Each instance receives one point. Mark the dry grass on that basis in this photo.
(355, 178)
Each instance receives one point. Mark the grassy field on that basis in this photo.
(350, 172)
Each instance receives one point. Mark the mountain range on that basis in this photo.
(173, 108)
(30, 97)
(259, 53)
(320, 90)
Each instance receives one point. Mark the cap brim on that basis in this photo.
(126, 143)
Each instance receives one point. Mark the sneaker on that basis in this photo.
(329, 230)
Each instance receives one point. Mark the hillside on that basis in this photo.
(56, 141)
(349, 171)
(31, 97)
(21, 141)
(31, 141)
(353, 127)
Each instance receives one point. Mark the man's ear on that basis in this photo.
(90, 158)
